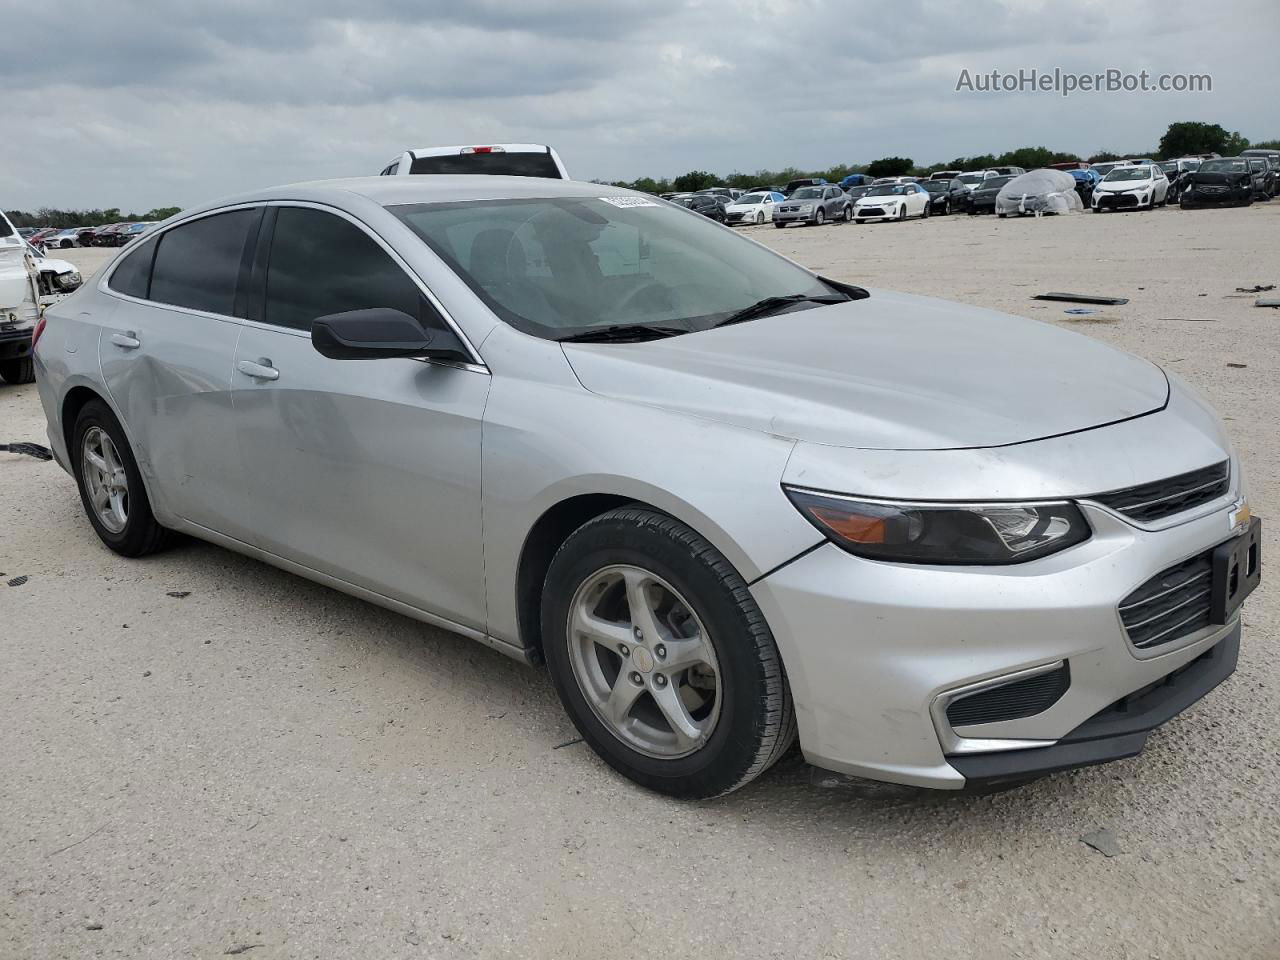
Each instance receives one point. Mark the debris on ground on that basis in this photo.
(1104, 841)
(1258, 288)
(28, 450)
(18, 581)
(1264, 302)
(93, 926)
(567, 743)
(1237, 366)
(1080, 311)
(1189, 319)
(178, 594)
(1082, 298)
(240, 948)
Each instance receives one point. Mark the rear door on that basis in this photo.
(365, 470)
(166, 353)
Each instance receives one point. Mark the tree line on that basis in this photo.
(1185, 138)
(50, 217)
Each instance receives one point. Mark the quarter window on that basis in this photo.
(197, 264)
(322, 264)
(133, 276)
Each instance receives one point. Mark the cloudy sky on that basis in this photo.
(136, 104)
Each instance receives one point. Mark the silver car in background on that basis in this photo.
(728, 502)
(814, 205)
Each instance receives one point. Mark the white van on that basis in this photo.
(498, 159)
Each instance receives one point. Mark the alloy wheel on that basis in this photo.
(105, 479)
(644, 662)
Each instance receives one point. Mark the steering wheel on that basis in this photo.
(649, 289)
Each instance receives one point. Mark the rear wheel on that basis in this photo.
(661, 657)
(780, 226)
(21, 370)
(111, 486)
(924, 215)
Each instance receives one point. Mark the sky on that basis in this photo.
(138, 104)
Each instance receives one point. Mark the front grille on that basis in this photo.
(1173, 604)
(1011, 701)
(1163, 498)
(870, 212)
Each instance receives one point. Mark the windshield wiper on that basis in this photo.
(769, 304)
(621, 332)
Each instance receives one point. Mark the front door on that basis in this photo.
(366, 470)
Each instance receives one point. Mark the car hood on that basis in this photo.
(1214, 177)
(1120, 186)
(891, 372)
(880, 198)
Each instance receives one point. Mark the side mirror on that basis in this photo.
(380, 333)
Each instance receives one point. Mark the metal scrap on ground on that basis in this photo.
(1264, 302)
(1081, 298)
(28, 449)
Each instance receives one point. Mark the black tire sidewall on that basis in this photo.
(735, 743)
(140, 530)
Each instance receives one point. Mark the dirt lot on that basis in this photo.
(268, 764)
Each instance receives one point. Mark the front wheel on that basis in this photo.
(661, 656)
(779, 226)
(759, 217)
(819, 218)
(924, 214)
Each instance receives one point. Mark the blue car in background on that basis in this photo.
(855, 180)
(1086, 180)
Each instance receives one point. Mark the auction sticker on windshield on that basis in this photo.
(628, 201)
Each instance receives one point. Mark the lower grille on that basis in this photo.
(1173, 604)
(1164, 498)
(1011, 701)
(870, 212)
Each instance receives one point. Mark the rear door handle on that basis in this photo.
(262, 370)
(126, 341)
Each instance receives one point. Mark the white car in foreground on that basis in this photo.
(892, 201)
(1140, 187)
(753, 208)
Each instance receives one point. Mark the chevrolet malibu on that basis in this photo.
(728, 502)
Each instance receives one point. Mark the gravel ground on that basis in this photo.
(267, 764)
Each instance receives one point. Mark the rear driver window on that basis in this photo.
(322, 264)
(198, 263)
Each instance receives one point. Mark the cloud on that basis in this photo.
(134, 104)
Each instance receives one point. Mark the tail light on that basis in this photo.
(482, 150)
(35, 333)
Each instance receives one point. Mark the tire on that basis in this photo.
(759, 217)
(925, 214)
(902, 212)
(1001, 215)
(20, 370)
(748, 722)
(139, 534)
(819, 218)
(780, 226)
(859, 220)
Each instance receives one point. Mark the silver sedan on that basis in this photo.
(728, 502)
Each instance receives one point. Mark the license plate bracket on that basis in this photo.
(1237, 571)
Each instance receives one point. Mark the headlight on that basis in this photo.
(72, 279)
(943, 533)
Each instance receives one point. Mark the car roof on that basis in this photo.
(421, 188)
(458, 148)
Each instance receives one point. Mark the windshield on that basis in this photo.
(937, 186)
(1129, 173)
(1222, 166)
(753, 198)
(995, 182)
(557, 267)
(538, 164)
(807, 193)
(971, 177)
(860, 191)
(888, 190)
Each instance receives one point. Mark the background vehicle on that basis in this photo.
(1264, 178)
(1006, 171)
(945, 174)
(814, 205)
(973, 179)
(26, 232)
(1102, 169)
(19, 304)
(1043, 192)
(855, 180)
(944, 194)
(1225, 180)
(982, 199)
(794, 185)
(753, 208)
(1133, 187)
(40, 236)
(64, 239)
(708, 204)
(1085, 179)
(499, 159)
(1176, 171)
(130, 233)
(892, 201)
(729, 193)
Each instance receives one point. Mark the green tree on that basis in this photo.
(890, 167)
(1105, 156)
(1191, 136)
(161, 213)
(1267, 145)
(694, 180)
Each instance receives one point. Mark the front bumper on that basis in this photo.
(876, 212)
(1201, 195)
(871, 648)
(785, 215)
(1120, 201)
(15, 344)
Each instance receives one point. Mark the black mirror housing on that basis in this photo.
(381, 333)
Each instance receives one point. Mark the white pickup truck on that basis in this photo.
(29, 281)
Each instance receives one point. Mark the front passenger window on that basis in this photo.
(322, 264)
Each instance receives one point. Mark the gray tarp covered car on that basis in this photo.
(1040, 191)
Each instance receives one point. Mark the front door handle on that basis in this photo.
(261, 370)
(126, 341)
